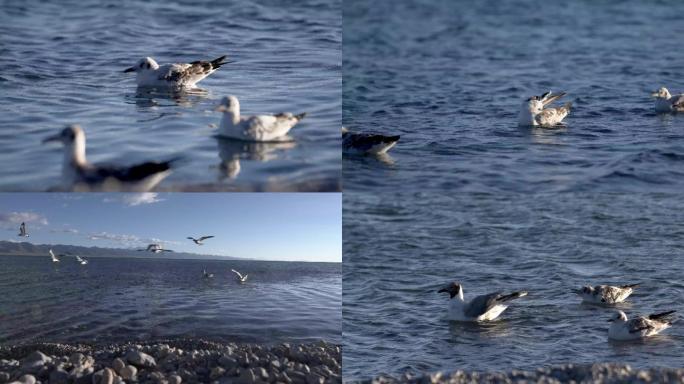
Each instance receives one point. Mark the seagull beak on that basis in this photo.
(655, 94)
(131, 69)
(221, 108)
(52, 138)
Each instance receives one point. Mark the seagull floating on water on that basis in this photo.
(53, 257)
(22, 230)
(207, 275)
(155, 248)
(81, 260)
(79, 175)
(240, 278)
(666, 103)
(200, 240)
(367, 143)
(481, 308)
(605, 294)
(533, 111)
(174, 76)
(253, 128)
(639, 327)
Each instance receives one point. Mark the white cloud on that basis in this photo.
(134, 199)
(127, 240)
(12, 219)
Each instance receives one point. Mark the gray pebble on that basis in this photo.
(118, 365)
(128, 372)
(140, 359)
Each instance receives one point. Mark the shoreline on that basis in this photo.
(598, 373)
(172, 362)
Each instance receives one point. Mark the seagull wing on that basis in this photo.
(191, 238)
(237, 273)
(365, 142)
(481, 304)
(550, 98)
(639, 324)
(678, 101)
(190, 73)
(126, 174)
(205, 237)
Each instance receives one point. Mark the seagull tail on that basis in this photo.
(300, 116)
(630, 285)
(568, 106)
(217, 63)
(661, 316)
(512, 296)
(391, 139)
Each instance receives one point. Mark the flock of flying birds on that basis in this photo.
(80, 175)
(488, 307)
(535, 111)
(154, 248)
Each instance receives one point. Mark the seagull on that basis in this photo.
(207, 275)
(240, 278)
(639, 327)
(173, 76)
(155, 248)
(253, 128)
(481, 308)
(533, 111)
(605, 294)
(200, 240)
(366, 143)
(22, 230)
(54, 258)
(79, 175)
(666, 103)
(81, 260)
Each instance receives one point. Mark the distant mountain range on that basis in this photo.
(9, 248)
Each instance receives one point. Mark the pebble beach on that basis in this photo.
(171, 362)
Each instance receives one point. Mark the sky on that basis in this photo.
(264, 226)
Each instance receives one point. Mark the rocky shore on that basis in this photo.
(173, 362)
(570, 373)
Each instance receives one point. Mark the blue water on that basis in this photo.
(122, 299)
(449, 77)
(400, 249)
(62, 63)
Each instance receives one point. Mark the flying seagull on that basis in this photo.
(534, 111)
(207, 275)
(200, 240)
(22, 230)
(253, 128)
(366, 143)
(53, 257)
(240, 278)
(81, 260)
(666, 103)
(605, 294)
(481, 308)
(155, 248)
(173, 76)
(639, 327)
(79, 175)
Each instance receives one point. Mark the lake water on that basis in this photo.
(123, 299)
(63, 63)
(400, 249)
(450, 77)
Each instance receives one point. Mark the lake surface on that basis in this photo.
(400, 249)
(63, 63)
(123, 299)
(450, 77)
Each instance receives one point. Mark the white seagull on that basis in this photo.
(155, 248)
(481, 308)
(207, 275)
(22, 230)
(639, 327)
(81, 260)
(666, 103)
(240, 278)
(605, 294)
(53, 257)
(200, 240)
(173, 76)
(79, 175)
(533, 111)
(366, 143)
(253, 128)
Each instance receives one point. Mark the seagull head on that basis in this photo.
(618, 316)
(453, 289)
(228, 104)
(67, 136)
(661, 93)
(143, 65)
(533, 104)
(586, 290)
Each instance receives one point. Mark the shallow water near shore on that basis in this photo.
(401, 248)
(450, 76)
(63, 64)
(119, 300)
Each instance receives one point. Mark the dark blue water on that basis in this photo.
(449, 77)
(121, 299)
(62, 63)
(400, 249)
